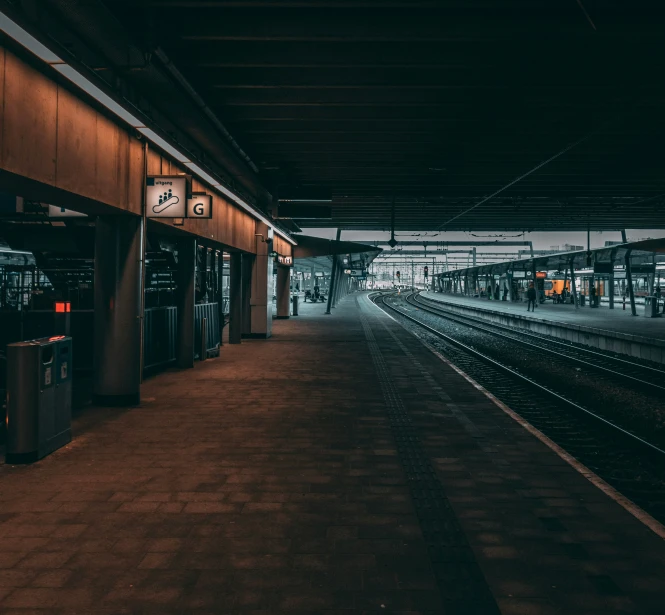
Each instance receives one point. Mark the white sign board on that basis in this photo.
(60, 212)
(199, 206)
(166, 196)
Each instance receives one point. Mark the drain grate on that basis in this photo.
(460, 581)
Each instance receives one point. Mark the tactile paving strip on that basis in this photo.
(461, 583)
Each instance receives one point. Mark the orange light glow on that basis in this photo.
(55, 338)
(63, 307)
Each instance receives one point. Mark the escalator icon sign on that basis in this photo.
(166, 200)
(166, 196)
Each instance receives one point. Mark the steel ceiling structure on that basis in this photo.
(435, 105)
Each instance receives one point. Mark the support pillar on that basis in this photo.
(262, 285)
(610, 281)
(573, 286)
(331, 288)
(235, 298)
(246, 284)
(185, 301)
(283, 292)
(117, 316)
(629, 280)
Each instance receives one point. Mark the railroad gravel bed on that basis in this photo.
(639, 411)
(638, 477)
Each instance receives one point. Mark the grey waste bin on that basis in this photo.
(295, 305)
(650, 307)
(39, 392)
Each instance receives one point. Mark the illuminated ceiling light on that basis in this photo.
(17, 33)
(161, 143)
(101, 97)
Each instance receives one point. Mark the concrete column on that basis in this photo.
(235, 298)
(117, 318)
(220, 295)
(610, 282)
(573, 286)
(185, 300)
(283, 292)
(331, 287)
(262, 286)
(246, 283)
(629, 280)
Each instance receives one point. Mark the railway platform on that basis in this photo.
(615, 330)
(341, 468)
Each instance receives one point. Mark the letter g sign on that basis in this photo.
(199, 206)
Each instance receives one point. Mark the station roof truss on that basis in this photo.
(436, 106)
(647, 252)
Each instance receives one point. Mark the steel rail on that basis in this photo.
(636, 440)
(491, 328)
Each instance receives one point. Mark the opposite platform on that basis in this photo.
(616, 330)
(338, 467)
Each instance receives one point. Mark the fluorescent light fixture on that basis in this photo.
(169, 149)
(195, 168)
(90, 88)
(14, 31)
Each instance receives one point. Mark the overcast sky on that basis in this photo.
(541, 240)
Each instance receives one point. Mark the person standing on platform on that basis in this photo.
(531, 297)
(657, 293)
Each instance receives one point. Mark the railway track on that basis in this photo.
(630, 463)
(649, 377)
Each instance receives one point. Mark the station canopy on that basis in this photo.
(647, 252)
(318, 253)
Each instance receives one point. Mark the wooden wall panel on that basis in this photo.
(50, 135)
(134, 193)
(2, 92)
(110, 162)
(76, 154)
(28, 122)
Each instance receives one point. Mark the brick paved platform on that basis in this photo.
(337, 468)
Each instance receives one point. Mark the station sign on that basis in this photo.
(284, 260)
(199, 205)
(166, 196)
(541, 275)
(355, 273)
(520, 274)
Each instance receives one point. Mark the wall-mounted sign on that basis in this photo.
(284, 260)
(166, 196)
(541, 275)
(199, 205)
(60, 212)
(519, 274)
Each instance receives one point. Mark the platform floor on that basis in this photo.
(339, 467)
(598, 318)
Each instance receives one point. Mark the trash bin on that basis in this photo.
(582, 299)
(295, 305)
(651, 307)
(39, 390)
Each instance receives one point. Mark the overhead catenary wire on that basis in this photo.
(520, 178)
